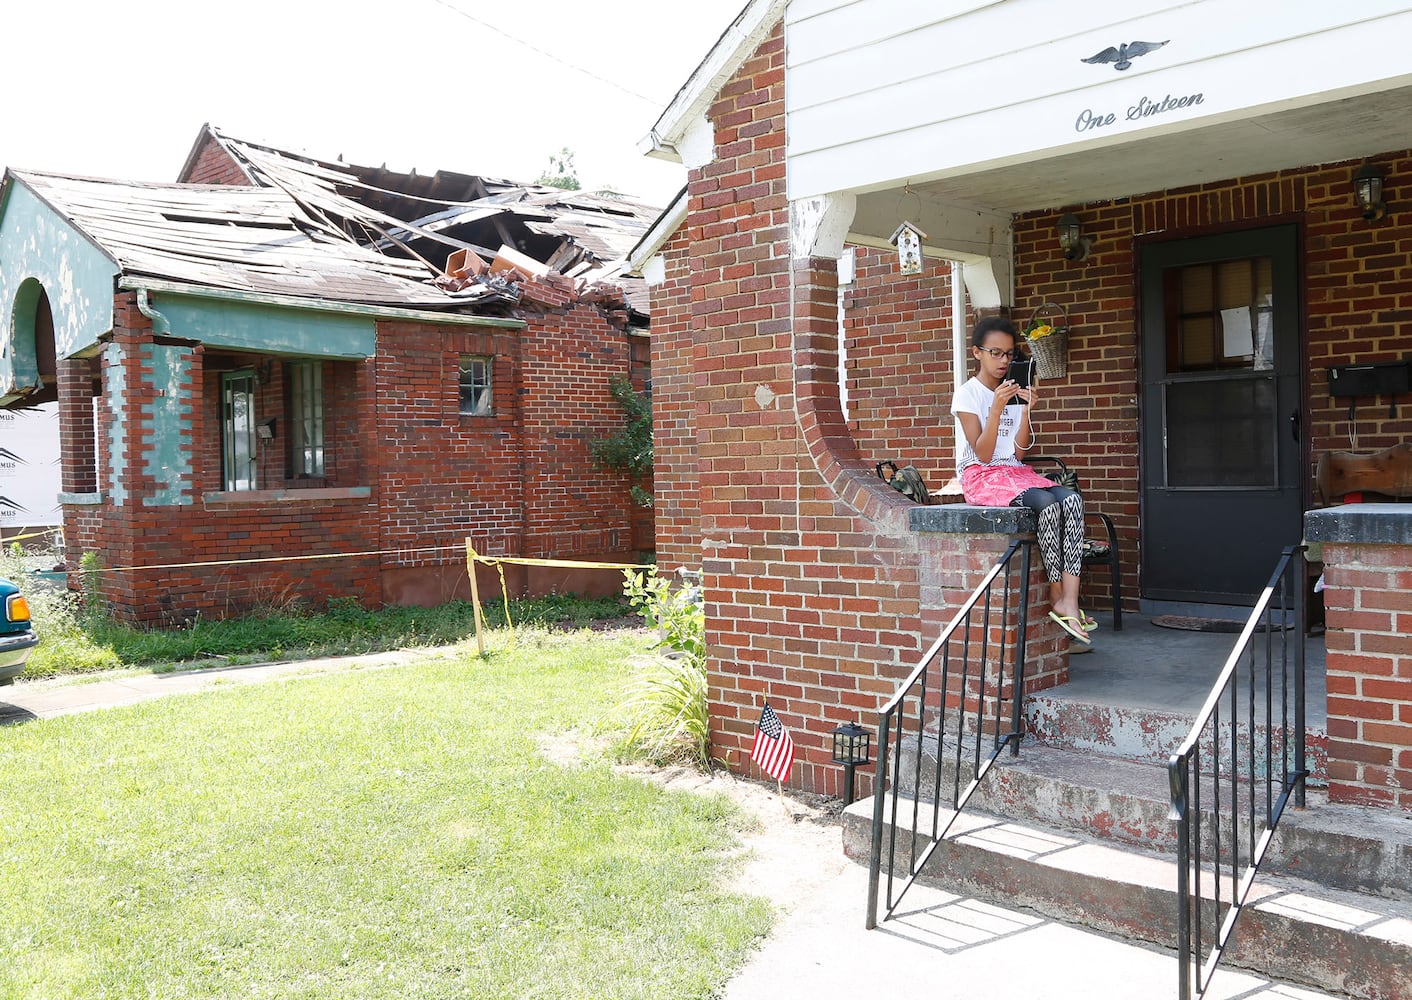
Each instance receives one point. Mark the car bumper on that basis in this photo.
(14, 651)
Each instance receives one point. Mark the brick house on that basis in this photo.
(275, 384)
(1214, 190)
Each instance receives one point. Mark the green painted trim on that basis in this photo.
(317, 305)
(254, 326)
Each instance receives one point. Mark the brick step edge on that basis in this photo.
(1355, 848)
(1291, 930)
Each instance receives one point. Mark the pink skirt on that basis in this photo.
(997, 485)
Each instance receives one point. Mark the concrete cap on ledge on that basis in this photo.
(1360, 524)
(965, 519)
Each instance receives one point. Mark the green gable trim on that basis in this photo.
(40, 248)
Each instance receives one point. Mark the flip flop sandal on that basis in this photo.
(1087, 622)
(1075, 630)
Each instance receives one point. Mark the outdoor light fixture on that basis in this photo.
(1368, 190)
(850, 748)
(1072, 240)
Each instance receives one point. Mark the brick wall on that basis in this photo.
(213, 165)
(676, 494)
(1368, 610)
(899, 367)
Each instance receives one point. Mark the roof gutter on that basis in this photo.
(161, 326)
(144, 286)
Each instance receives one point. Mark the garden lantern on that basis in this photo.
(850, 748)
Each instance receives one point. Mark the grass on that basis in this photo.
(393, 833)
(72, 641)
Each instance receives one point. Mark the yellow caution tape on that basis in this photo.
(32, 534)
(572, 563)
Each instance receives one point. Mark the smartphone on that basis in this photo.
(1022, 374)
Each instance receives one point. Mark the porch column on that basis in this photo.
(1367, 550)
(79, 471)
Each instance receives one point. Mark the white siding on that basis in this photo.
(879, 91)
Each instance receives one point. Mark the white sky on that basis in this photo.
(120, 88)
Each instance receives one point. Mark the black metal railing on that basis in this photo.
(1236, 771)
(965, 670)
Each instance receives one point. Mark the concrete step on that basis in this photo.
(1058, 719)
(1353, 848)
(1292, 929)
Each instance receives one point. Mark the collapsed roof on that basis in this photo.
(426, 218)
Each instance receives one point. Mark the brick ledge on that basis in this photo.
(237, 497)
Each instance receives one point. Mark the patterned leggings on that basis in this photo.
(1061, 528)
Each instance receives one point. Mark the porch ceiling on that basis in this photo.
(1328, 132)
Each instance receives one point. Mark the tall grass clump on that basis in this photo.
(60, 617)
(666, 708)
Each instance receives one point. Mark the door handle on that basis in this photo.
(1294, 424)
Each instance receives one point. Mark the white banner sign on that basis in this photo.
(29, 467)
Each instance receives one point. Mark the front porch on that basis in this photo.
(1136, 693)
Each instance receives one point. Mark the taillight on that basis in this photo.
(17, 608)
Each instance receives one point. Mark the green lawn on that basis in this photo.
(391, 833)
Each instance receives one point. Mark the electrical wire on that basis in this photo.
(548, 55)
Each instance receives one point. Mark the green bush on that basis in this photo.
(666, 708)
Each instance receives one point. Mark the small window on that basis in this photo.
(476, 397)
(306, 418)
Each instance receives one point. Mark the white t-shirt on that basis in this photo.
(974, 397)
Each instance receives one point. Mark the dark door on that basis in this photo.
(1221, 414)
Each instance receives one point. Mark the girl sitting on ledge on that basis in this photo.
(994, 416)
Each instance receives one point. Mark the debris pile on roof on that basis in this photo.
(437, 219)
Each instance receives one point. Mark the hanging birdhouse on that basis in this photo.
(908, 240)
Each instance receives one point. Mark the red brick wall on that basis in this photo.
(213, 165)
(675, 478)
(899, 368)
(572, 508)
(1368, 610)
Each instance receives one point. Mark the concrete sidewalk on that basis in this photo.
(66, 695)
(941, 944)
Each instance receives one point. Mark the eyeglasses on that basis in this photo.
(994, 353)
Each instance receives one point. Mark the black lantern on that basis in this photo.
(1072, 240)
(1368, 190)
(850, 748)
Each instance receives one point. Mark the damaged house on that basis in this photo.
(282, 378)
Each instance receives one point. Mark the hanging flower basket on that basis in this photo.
(1048, 340)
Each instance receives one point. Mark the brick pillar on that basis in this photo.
(79, 472)
(1367, 550)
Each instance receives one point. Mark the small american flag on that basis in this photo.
(773, 749)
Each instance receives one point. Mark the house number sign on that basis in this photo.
(1090, 120)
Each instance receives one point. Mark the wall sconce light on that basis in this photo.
(265, 371)
(1072, 240)
(1368, 190)
(850, 748)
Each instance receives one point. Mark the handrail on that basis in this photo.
(964, 688)
(1213, 749)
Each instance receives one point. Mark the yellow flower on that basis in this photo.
(1039, 331)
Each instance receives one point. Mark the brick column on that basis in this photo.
(79, 472)
(1367, 550)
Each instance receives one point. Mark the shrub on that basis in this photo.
(666, 707)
